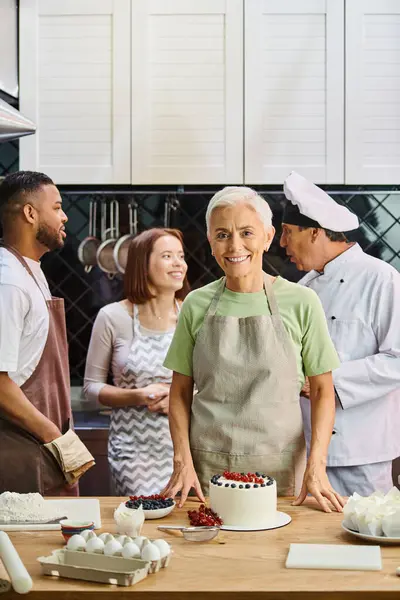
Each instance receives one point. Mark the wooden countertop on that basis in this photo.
(236, 565)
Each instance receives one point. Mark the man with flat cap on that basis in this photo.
(361, 298)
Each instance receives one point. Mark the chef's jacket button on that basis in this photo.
(342, 281)
(333, 317)
(333, 432)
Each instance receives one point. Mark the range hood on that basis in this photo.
(13, 125)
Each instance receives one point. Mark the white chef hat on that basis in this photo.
(309, 206)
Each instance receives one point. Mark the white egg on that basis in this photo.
(88, 534)
(139, 540)
(76, 542)
(95, 545)
(163, 547)
(130, 550)
(123, 539)
(150, 552)
(113, 548)
(106, 537)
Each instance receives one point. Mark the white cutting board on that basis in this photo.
(334, 556)
(78, 509)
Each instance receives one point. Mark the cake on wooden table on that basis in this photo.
(247, 500)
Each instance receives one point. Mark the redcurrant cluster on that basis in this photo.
(204, 517)
(244, 477)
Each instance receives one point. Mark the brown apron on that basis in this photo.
(246, 415)
(25, 464)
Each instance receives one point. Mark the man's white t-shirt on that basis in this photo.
(24, 317)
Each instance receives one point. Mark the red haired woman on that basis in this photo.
(131, 338)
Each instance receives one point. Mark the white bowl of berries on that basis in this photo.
(154, 507)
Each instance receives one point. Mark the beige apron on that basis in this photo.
(246, 415)
(25, 464)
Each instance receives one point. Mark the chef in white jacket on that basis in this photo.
(361, 298)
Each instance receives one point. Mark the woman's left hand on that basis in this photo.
(161, 406)
(316, 483)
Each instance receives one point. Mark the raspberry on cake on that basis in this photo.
(247, 500)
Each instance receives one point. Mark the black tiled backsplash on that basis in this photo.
(85, 293)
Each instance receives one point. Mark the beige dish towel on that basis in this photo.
(72, 455)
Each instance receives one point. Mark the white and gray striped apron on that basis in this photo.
(140, 450)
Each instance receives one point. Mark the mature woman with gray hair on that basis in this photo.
(246, 342)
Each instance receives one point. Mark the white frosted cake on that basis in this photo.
(247, 500)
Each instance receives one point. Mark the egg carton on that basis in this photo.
(155, 565)
(99, 567)
(161, 563)
(94, 567)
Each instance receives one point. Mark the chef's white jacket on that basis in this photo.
(361, 298)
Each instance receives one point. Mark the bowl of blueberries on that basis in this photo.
(154, 507)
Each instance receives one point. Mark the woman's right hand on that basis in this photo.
(182, 480)
(152, 393)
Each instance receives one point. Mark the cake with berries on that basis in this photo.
(247, 500)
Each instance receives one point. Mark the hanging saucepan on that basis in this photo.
(121, 248)
(167, 212)
(171, 205)
(87, 250)
(105, 252)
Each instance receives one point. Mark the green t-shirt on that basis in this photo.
(300, 310)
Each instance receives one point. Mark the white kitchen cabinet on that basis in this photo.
(372, 91)
(294, 78)
(75, 81)
(211, 91)
(187, 91)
